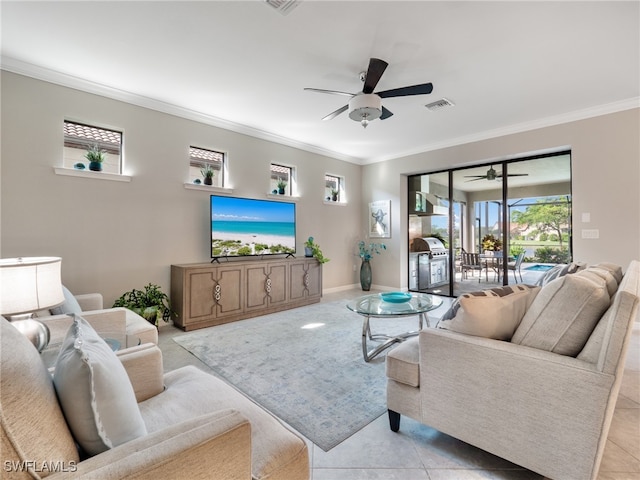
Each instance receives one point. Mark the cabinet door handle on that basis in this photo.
(306, 280)
(268, 285)
(217, 291)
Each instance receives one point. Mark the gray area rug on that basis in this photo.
(304, 365)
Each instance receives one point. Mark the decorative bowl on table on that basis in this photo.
(395, 297)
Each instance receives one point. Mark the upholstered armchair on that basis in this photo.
(115, 320)
(526, 398)
(194, 425)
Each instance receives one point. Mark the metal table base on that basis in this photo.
(387, 340)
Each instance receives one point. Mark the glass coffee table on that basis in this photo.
(396, 305)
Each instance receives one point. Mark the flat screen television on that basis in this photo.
(245, 226)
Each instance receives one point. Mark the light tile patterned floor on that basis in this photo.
(419, 452)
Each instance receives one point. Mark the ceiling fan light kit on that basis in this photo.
(365, 107)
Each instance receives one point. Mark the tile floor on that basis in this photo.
(418, 452)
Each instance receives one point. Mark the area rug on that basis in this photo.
(304, 365)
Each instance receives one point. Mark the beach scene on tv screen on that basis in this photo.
(241, 226)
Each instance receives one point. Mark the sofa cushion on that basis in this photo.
(493, 313)
(403, 363)
(70, 304)
(604, 274)
(277, 453)
(32, 425)
(560, 270)
(563, 315)
(616, 270)
(94, 390)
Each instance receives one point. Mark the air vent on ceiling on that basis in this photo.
(283, 6)
(440, 104)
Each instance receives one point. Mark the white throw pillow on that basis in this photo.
(94, 391)
(494, 313)
(564, 314)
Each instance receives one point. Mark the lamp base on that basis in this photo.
(37, 332)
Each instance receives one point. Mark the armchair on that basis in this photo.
(90, 305)
(197, 425)
(545, 411)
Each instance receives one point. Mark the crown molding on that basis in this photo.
(70, 81)
(577, 115)
(52, 76)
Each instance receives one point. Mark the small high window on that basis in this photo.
(84, 143)
(281, 179)
(207, 167)
(333, 188)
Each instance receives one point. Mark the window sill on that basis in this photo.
(72, 172)
(289, 198)
(335, 204)
(208, 188)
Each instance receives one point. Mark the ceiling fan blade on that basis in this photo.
(333, 115)
(375, 71)
(476, 179)
(422, 89)
(332, 92)
(475, 176)
(385, 114)
(518, 175)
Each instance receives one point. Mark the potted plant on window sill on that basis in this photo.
(95, 155)
(312, 249)
(151, 303)
(281, 186)
(207, 173)
(334, 195)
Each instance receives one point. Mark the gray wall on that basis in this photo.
(605, 176)
(115, 236)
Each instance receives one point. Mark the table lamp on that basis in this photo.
(27, 285)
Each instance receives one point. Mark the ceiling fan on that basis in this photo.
(366, 106)
(493, 175)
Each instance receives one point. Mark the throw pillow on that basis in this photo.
(94, 391)
(494, 313)
(563, 315)
(69, 306)
(616, 270)
(560, 270)
(606, 275)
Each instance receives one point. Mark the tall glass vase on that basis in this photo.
(365, 275)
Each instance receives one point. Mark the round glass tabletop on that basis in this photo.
(375, 305)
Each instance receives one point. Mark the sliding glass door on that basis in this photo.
(500, 223)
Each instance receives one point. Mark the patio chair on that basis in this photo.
(515, 266)
(471, 261)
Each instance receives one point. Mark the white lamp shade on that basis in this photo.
(30, 284)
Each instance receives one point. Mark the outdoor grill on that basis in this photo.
(428, 264)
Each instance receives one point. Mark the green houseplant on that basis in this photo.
(281, 186)
(207, 173)
(151, 303)
(312, 249)
(95, 155)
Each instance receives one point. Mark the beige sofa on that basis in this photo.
(128, 324)
(197, 426)
(545, 411)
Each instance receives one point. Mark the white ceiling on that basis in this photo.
(507, 66)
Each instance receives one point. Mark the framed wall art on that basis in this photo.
(380, 219)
